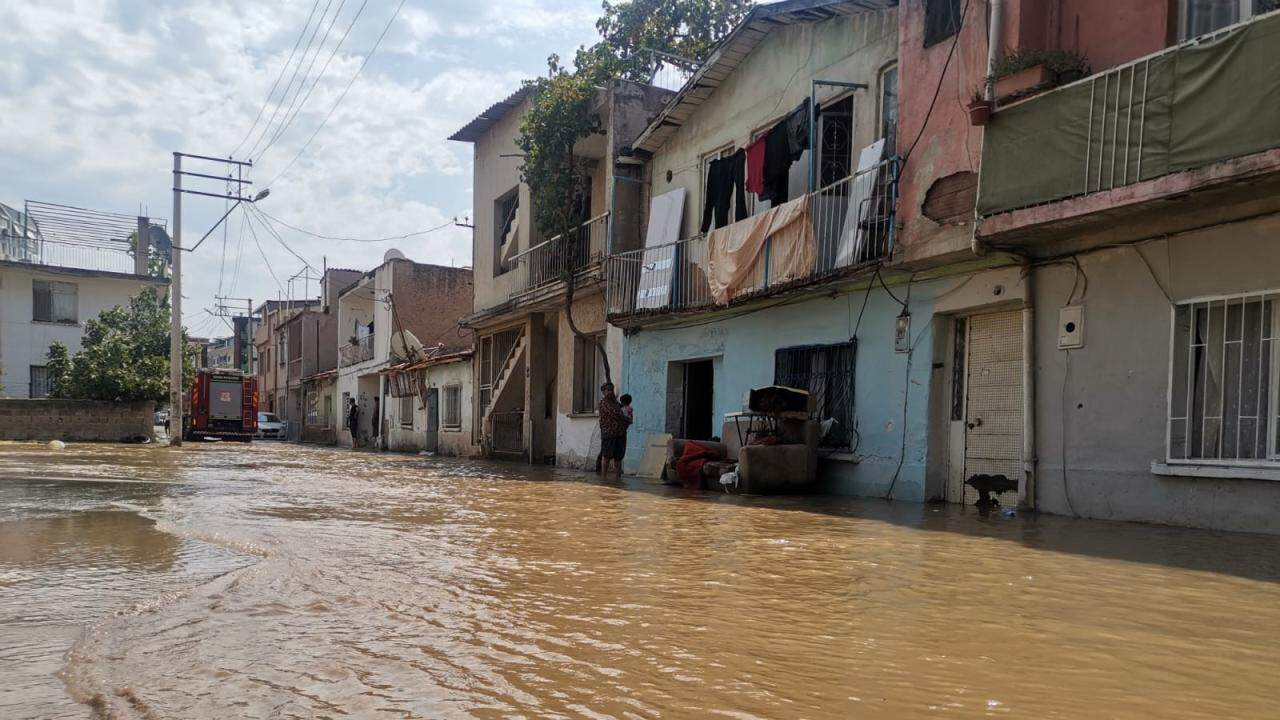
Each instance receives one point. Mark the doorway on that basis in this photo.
(987, 410)
(698, 398)
(432, 440)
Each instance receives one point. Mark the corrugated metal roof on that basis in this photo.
(735, 47)
(475, 129)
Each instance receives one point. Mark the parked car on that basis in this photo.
(270, 426)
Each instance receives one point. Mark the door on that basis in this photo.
(699, 379)
(433, 419)
(992, 431)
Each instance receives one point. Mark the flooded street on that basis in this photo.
(278, 581)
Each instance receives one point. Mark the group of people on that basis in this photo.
(616, 415)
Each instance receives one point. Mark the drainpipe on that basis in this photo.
(995, 26)
(1028, 389)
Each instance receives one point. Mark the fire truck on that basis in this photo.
(221, 404)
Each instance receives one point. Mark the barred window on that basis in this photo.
(1225, 381)
(452, 407)
(406, 411)
(941, 20)
(826, 371)
(39, 387)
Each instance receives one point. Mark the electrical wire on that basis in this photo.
(289, 112)
(279, 239)
(351, 239)
(1062, 435)
(276, 84)
(324, 68)
(341, 97)
(906, 395)
(235, 274)
(964, 12)
(265, 261)
(280, 103)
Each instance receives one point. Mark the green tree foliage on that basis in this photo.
(629, 30)
(125, 355)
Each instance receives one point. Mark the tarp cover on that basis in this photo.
(1205, 102)
(737, 251)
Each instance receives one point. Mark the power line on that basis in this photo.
(936, 91)
(289, 118)
(351, 239)
(282, 242)
(280, 103)
(276, 84)
(265, 261)
(235, 274)
(345, 90)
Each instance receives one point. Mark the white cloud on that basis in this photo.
(97, 96)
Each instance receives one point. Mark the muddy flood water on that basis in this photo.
(278, 581)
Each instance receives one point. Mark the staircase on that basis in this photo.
(510, 366)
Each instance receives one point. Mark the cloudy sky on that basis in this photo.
(95, 95)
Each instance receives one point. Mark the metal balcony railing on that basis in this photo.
(853, 227)
(361, 350)
(551, 261)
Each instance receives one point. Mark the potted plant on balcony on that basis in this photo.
(1027, 71)
(979, 108)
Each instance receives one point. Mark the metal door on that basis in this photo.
(433, 419)
(993, 404)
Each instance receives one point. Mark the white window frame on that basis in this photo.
(884, 71)
(1272, 335)
(456, 390)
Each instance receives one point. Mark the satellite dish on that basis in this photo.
(393, 254)
(160, 240)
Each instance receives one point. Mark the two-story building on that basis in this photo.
(271, 346)
(1143, 200)
(387, 316)
(536, 379)
(56, 272)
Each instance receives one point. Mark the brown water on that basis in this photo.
(276, 581)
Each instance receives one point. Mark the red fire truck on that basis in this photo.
(221, 404)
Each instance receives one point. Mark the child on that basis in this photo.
(626, 408)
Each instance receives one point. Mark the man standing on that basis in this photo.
(613, 430)
(353, 421)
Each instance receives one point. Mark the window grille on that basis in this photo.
(1224, 380)
(826, 371)
(452, 407)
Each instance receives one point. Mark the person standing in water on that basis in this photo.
(613, 430)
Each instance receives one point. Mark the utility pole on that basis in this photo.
(176, 350)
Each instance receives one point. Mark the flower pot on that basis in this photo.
(979, 112)
(1024, 81)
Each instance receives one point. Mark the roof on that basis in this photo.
(443, 356)
(81, 272)
(734, 48)
(480, 125)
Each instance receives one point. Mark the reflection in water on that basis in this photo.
(400, 586)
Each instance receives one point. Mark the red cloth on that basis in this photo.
(689, 465)
(755, 166)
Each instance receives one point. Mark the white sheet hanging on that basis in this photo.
(853, 235)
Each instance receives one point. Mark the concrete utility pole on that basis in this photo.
(175, 310)
(176, 349)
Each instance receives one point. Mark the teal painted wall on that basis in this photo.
(744, 346)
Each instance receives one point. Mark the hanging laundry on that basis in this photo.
(755, 166)
(725, 188)
(777, 164)
(798, 129)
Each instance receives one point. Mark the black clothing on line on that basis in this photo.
(726, 184)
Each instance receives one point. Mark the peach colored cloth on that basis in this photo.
(736, 252)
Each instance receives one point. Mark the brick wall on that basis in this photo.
(75, 420)
(430, 299)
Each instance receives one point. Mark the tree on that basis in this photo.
(560, 111)
(125, 355)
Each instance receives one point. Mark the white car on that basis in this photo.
(270, 426)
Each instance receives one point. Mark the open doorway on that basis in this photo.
(690, 399)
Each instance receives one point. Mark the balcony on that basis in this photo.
(544, 265)
(357, 352)
(852, 222)
(1178, 139)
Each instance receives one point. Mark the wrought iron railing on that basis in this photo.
(356, 352)
(550, 262)
(506, 432)
(853, 226)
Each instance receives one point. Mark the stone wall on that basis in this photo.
(74, 420)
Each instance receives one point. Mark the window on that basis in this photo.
(452, 407)
(826, 371)
(54, 301)
(588, 372)
(835, 148)
(889, 108)
(941, 20)
(506, 230)
(1224, 381)
(39, 387)
(281, 354)
(406, 411)
(1201, 17)
(313, 415)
